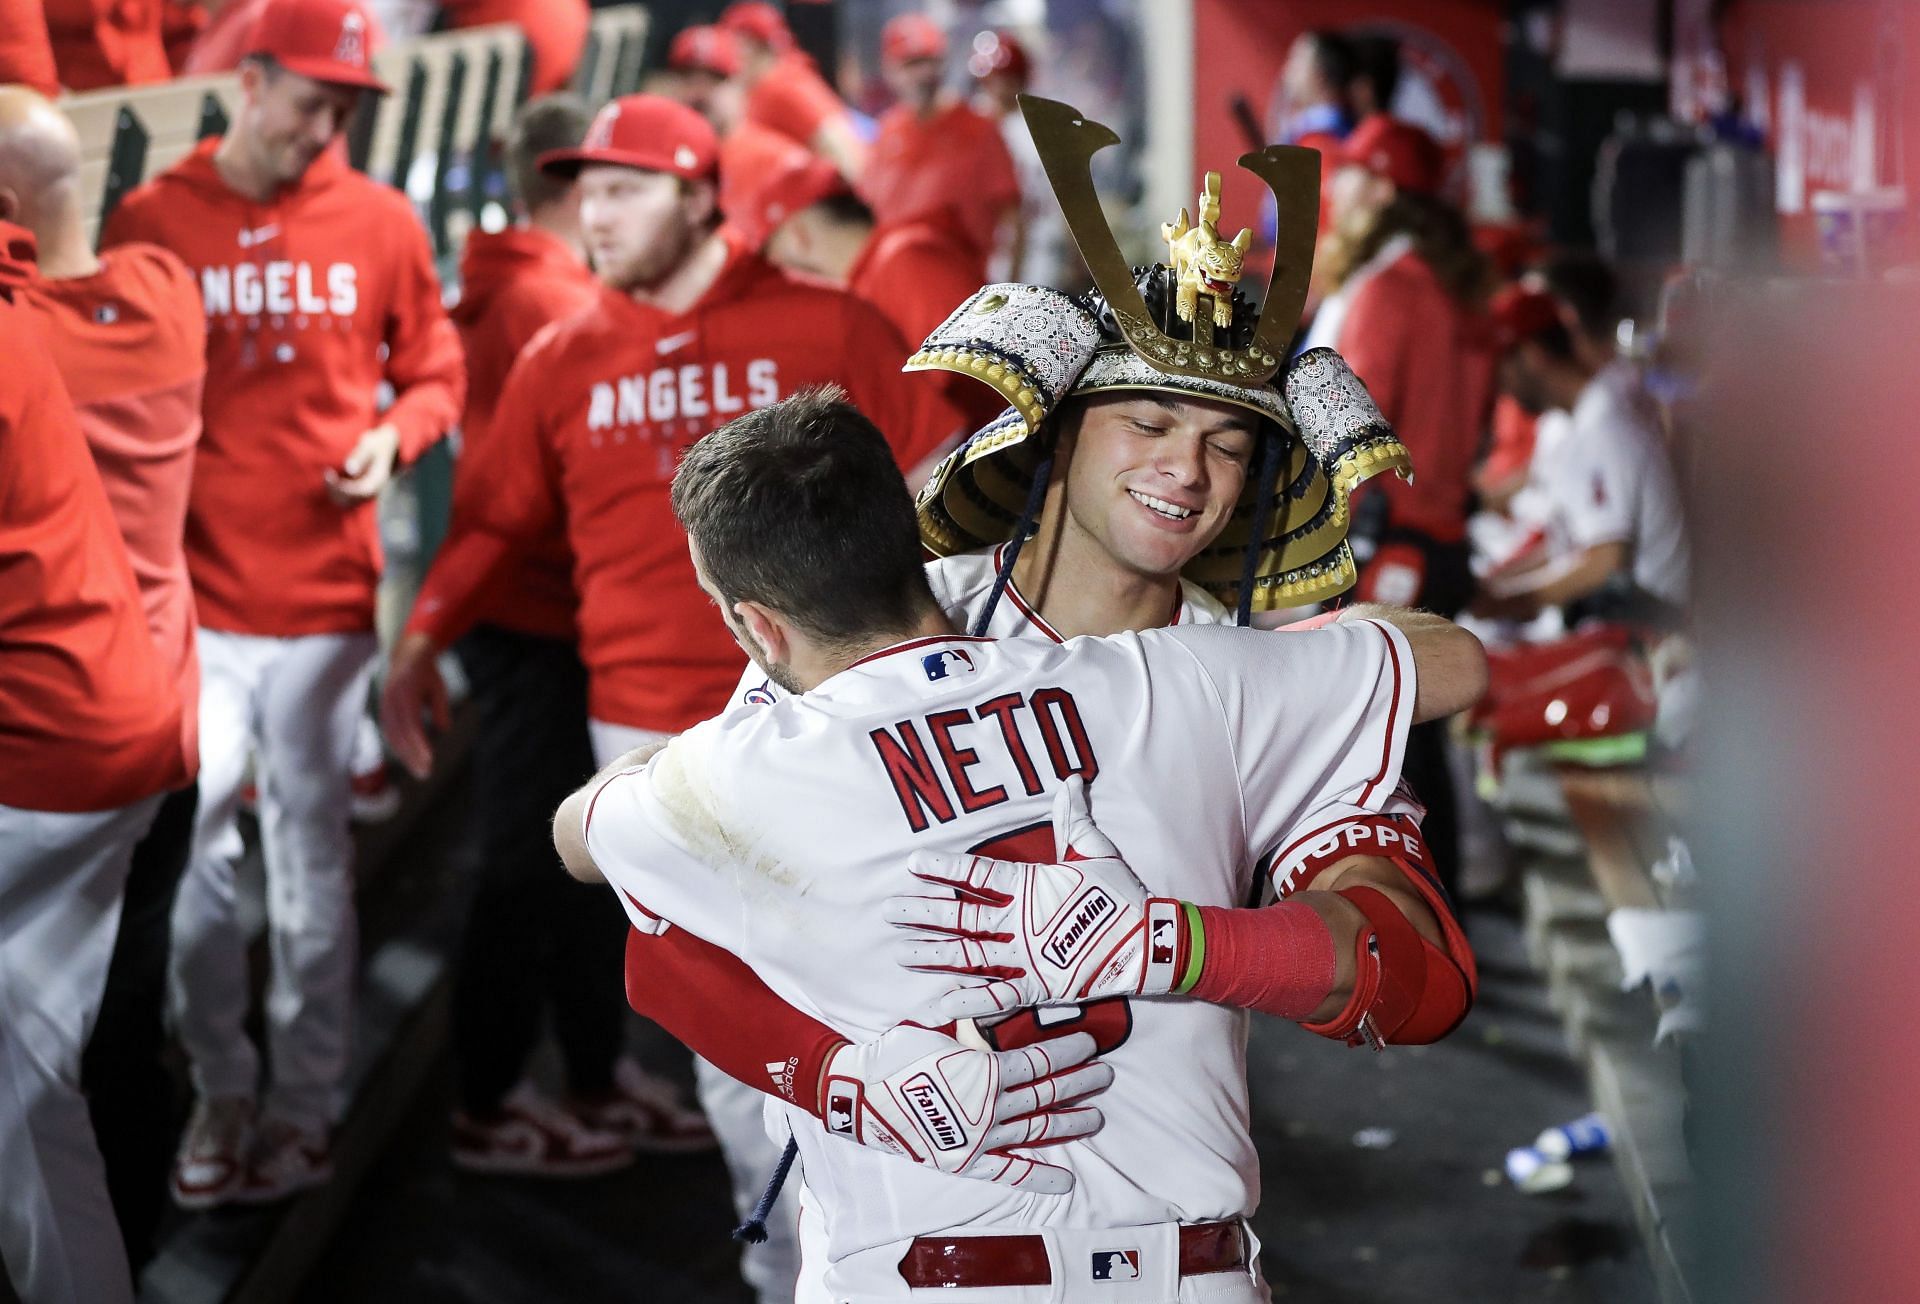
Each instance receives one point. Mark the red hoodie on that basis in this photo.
(594, 420)
(89, 719)
(301, 295)
(511, 285)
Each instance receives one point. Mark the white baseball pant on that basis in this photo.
(734, 1111)
(61, 881)
(294, 704)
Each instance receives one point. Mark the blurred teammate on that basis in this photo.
(705, 66)
(89, 741)
(556, 32)
(26, 55)
(915, 271)
(317, 285)
(934, 150)
(96, 45)
(1037, 246)
(127, 335)
(785, 92)
(534, 945)
(690, 329)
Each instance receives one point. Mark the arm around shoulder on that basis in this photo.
(1450, 666)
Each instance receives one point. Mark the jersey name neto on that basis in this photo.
(282, 288)
(933, 786)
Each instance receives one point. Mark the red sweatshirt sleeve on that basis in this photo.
(721, 1010)
(424, 359)
(26, 55)
(512, 481)
(1374, 339)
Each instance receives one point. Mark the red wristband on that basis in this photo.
(1278, 959)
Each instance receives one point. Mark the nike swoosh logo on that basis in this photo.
(259, 235)
(673, 342)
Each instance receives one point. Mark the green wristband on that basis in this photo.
(1196, 950)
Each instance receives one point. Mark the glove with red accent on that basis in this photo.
(1042, 934)
(928, 1098)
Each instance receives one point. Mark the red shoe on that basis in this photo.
(530, 1136)
(287, 1159)
(646, 1112)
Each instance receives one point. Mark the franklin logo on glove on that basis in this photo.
(1081, 927)
(936, 1115)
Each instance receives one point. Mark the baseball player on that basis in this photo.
(317, 284)
(935, 151)
(778, 831)
(690, 329)
(785, 91)
(530, 694)
(128, 338)
(90, 740)
(1058, 524)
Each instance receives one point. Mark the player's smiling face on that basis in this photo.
(1153, 477)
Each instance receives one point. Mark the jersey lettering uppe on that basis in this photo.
(776, 831)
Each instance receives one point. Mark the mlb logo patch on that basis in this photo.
(947, 663)
(1116, 1265)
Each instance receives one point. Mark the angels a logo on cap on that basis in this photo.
(600, 134)
(352, 45)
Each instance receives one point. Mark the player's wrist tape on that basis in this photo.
(1278, 959)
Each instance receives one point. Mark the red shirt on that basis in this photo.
(556, 32)
(107, 42)
(956, 159)
(1428, 361)
(594, 420)
(793, 99)
(89, 720)
(131, 345)
(26, 54)
(916, 273)
(301, 293)
(511, 285)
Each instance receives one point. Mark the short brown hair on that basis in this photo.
(550, 122)
(800, 507)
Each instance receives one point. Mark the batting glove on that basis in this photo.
(1060, 934)
(928, 1098)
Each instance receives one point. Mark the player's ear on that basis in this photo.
(766, 629)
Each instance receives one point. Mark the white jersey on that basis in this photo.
(1608, 480)
(776, 831)
(961, 585)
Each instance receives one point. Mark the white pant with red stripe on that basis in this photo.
(735, 1112)
(293, 704)
(61, 881)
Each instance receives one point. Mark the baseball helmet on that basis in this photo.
(1182, 329)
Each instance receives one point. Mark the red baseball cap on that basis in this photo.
(910, 37)
(999, 52)
(328, 40)
(705, 48)
(1520, 312)
(1399, 151)
(757, 22)
(649, 132)
(802, 185)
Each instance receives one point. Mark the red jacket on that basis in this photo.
(301, 294)
(556, 32)
(131, 346)
(100, 43)
(89, 719)
(1428, 361)
(793, 99)
(957, 159)
(511, 285)
(596, 415)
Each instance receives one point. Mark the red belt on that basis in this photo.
(947, 1261)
